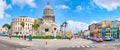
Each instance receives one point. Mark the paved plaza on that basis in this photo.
(51, 43)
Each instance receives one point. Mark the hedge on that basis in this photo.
(49, 37)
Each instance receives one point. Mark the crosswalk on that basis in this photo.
(79, 46)
(35, 48)
(85, 46)
(95, 45)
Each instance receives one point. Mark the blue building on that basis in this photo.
(118, 32)
(113, 29)
(103, 31)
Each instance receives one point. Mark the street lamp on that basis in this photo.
(46, 30)
(55, 33)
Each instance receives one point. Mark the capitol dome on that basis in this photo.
(48, 11)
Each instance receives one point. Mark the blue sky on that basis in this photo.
(81, 12)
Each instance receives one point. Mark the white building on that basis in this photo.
(86, 33)
(48, 27)
(16, 24)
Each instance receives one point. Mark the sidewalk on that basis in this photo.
(51, 43)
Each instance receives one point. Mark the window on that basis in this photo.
(46, 29)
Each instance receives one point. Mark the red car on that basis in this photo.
(93, 38)
(97, 39)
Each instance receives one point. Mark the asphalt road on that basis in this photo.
(4, 45)
(106, 45)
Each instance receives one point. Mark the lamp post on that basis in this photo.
(46, 30)
(55, 33)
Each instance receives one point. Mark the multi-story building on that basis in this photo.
(113, 29)
(92, 27)
(100, 29)
(118, 32)
(47, 27)
(3, 29)
(106, 28)
(86, 33)
(16, 24)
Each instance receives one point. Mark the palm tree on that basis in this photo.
(8, 27)
(23, 25)
(40, 22)
(61, 30)
(65, 25)
(35, 26)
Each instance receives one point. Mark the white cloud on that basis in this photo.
(78, 8)
(7, 15)
(62, 7)
(2, 8)
(22, 3)
(94, 22)
(9, 7)
(76, 26)
(110, 5)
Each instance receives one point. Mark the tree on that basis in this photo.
(40, 22)
(61, 26)
(23, 25)
(16, 33)
(8, 27)
(64, 25)
(35, 26)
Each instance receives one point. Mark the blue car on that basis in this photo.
(107, 38)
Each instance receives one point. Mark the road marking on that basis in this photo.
(18, 49)
(83, 46)
(73, 46)
(92, 46)
(78, 46)
(87, 46)
(114, 49)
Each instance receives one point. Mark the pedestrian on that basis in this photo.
(30, 37)
(19, 36)
(24, 36)
(69, 38)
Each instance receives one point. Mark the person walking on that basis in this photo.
(30, 37)
(24, 36)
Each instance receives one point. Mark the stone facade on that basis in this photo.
(47, 27)
(16, 24)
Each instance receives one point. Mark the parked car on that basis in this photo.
(3, 34)
(88, 37)
(97, 39)
(113, 39)
(93, 38)
(107, 38)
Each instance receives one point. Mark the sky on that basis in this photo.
(78, 13)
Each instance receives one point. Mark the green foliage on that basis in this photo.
(49, 37)
(64, 24)
(7, 25)
(22, 24)
(35, 25)
(16, 33)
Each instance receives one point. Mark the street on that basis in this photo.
(9, 46)
(111, 45)
(106, 45)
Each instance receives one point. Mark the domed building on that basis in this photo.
(48, 14)
(47, 24)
